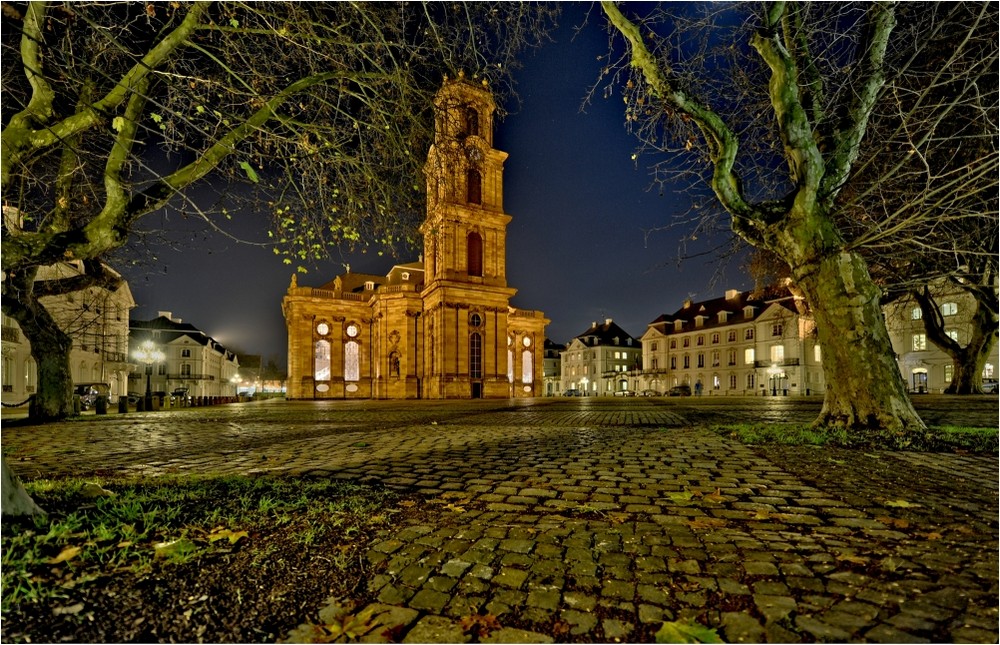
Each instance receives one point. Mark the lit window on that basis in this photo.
(777, 353)
(716, 382)
(952, 334)
(919, 342)
(817, 354)
(748, 356)
(916, 313)
(988, 370)
(352, 361)
(949, 309)
(949, 370)
(321, 360)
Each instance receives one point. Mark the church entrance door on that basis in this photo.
(477, 390)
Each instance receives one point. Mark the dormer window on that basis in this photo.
(406, 275)
(370, 285)
(723, 315)
(747, 313)
(678, 325)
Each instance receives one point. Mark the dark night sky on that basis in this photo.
(576, 247)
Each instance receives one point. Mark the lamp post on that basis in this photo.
(236, 384)
(148, 353)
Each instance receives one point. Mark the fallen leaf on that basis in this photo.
(680, 497)
(856, 559)
(894, 522)
(933, 535)
(66, 554)
(686, 631)
(454, 508)
(407, 503)
(479, 625)
(175, 548)
(706, 523)
(716, 498)
(221, 534)
(900, 503)
(72, 609)
(91, 491)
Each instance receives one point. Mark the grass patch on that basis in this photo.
(785, 434)
(113, 526)
(936, 439)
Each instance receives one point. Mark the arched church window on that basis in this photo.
(471, 121)
(527, 369)
(321, 360)
(475, 252)
(352, 361)
(474, 187)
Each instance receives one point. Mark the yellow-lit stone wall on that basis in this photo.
(421, 341)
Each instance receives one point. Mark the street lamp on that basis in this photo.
(236, 384)
(147, 353)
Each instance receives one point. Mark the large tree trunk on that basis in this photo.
(865, 392)
(50, 347)
(16, 500)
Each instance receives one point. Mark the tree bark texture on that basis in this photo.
(16, 500)
(865, 393)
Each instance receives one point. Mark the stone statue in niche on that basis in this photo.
(394, 364)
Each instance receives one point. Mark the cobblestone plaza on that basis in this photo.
(608, 514)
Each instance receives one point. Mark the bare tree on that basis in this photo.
(321, 111)
(780, 107)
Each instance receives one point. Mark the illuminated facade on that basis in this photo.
(746, 343)
(439, 328)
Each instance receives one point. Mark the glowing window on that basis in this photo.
(352, 361)
(321, 360)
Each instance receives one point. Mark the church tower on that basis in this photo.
(465, 236)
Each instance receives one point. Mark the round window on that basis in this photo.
(526, 341)
(352, 330)
(322, 329)
(475, 320)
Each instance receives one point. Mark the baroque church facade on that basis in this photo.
(440, 328)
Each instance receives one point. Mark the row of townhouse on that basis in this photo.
(104, 340)
(745, 343)
(748, 343)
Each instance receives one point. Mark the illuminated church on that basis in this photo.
(440, 328)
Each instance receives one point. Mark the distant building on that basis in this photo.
(602, 360)
(97, 321)
(746, 343)
(924, 366)
(552, 367)
(439, 328)
(194, 361)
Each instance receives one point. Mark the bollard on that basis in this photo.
(101, 405)
(122, 404)
(140, 404)
(77, 405)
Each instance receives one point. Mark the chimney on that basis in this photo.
(607, 321)
(732, 294)
(593, 324)
(169, 316)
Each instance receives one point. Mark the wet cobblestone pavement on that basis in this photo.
(598, 519)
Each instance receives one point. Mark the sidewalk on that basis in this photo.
(599, 519)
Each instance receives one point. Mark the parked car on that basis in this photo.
(572, 392)
(88, 393)
(990, 386)
(680, 390)
(625, 393)
(651, 393)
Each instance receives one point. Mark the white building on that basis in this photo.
(601, 361)
(97, 321)
(924, 366)
(194, 362)
(552, 367)
(745, 344)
